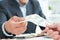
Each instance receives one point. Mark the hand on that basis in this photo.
(53, 31)
(16, 25)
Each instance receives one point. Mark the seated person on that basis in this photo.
(12, 13)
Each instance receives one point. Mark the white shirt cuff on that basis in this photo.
(5, 31)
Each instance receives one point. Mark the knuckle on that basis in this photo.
(14, 16)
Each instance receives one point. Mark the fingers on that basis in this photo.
(17, 28)
(59, 37)
(20, 29)
(16, 19)
(53, 30)
(53, 34)
(49, 32)
(51, 26)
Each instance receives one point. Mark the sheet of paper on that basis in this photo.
(36, 19)
(27, 35)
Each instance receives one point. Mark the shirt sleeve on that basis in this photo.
(3, 30)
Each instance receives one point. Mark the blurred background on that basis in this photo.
(51, 9)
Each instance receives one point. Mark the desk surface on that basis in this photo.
(36, 38)
(39, 38)
(32, 37)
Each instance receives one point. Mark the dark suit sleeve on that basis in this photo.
(31, 27)
(3, 18)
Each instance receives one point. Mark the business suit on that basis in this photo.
(10, 8)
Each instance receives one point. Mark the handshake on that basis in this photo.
(15, 25)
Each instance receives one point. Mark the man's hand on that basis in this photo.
(16, 25)
(53, 31)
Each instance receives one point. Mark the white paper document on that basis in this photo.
(36, 19)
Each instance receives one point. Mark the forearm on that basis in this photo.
(2, 35)
(5, 32)
(2, 20)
